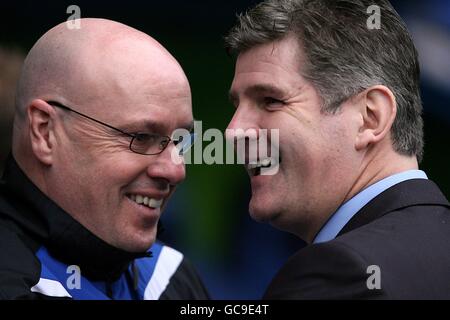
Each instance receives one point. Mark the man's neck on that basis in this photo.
(379, 168)
(378, 164)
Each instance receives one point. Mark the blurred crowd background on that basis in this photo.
(208, 217)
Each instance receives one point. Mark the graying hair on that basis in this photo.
(344, 56)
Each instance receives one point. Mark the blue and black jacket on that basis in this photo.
(46, 254)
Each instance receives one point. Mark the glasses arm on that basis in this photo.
(59, 105)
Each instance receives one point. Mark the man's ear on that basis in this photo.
(378, 114)
(41, 119)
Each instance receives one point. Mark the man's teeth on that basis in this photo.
(262, 163)
(146, 201)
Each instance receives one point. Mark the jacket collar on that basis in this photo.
(64, 237)
(405, 194)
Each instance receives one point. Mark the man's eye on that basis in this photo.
(272, 102)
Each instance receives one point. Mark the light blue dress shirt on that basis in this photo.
(343, 215)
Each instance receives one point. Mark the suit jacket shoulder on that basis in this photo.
(407, 247)
(323, 271)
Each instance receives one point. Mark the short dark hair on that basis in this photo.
(343, 55)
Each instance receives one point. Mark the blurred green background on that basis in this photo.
(208, 218)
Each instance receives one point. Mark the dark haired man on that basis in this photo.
(345, 98)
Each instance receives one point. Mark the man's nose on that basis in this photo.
(244, 118)
(243, 133)
(166, 167)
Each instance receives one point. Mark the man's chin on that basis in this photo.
(262, 213)
(137, 247)
(138, 243)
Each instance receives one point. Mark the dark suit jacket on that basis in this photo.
(405, 231)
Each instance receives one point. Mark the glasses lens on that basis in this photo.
(148, 143)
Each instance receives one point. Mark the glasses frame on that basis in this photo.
(131, 135)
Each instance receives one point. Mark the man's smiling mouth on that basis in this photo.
(146, 201)
(256, 168)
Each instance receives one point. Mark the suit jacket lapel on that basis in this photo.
(405, 194)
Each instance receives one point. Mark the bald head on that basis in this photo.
(85, 66)
(115, 82)
(101, 64)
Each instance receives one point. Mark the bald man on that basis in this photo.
(92, 167)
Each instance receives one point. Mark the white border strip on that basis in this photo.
(166, 266)
(50, 288)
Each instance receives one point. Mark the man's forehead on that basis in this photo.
(142, 108)
(261, 71)
(272, 52)
(272, 80)
(157, 124)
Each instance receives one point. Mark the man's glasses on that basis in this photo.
(142, 143)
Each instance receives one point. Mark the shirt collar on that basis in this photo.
(345, 212)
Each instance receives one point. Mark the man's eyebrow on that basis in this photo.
(142, 125)
(264, 88)
(257, 89)
(146, 125)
